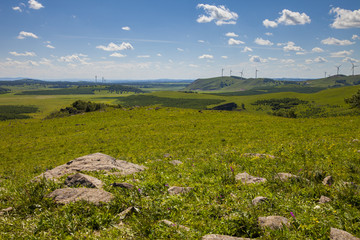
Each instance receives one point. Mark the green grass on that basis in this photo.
(8, 112)
(208, 144)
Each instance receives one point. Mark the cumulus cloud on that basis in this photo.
(33, 4)
(263, 42)
(268, 34)
(201, 41)
(50, 46)
(143, 56)
(345, 18)
(267, 23)
(288, 18)
(75, 58)
(349, 59)
(290, 46)
(26, 54)
(112, 47)
(126, 28)
(287, 61)
(17, 9)
(220, 14)
(341, 53)
(320, 60)
(247, 49)
(354, 37)
(231, 34)
(232, 41)
(334, 41)
(257, 59)
(317, 50)
(206, 56)
(23, 35)
(180, 49)
(118, 55)
(224, 57)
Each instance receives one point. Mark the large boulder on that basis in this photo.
(83, 180)
(92, 162)
(337, 234)
(273, 222)
(92, 195)
(248, 179)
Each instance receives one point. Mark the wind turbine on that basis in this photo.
(242, 72)
(222, 72)
(338, 68)
(95, 78)
(325, 74)
(353, 67)
(256, 71)
(230, 72)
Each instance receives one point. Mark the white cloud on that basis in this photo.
(232, 41)
(257, 59)
(354, 37)
(320, 60)
(349, 59)
(288, 18)
(118, 55)
(23, 35)
(268, 34)
(247, 49)
(221, 15)
(300, 53)
(231, 34)
(143, 56)
(334, 41)
(224, 57)
(272, 59)
(201, 41)
(287, 61)
(126, 28)
(75, 58)
(193, 66)
(26, 54)
(290, 46)
(267, 23)
(50, 46)
(317, 50)
(180, 49)
(345, 18)
(263, 42)
(33, 4)
(293, 18)
(206, 56)
(341, 53)
(308, 61)
(17, 9)
(159, 55)
(112, 47)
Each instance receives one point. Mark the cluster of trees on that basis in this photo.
(4, 90)
(354, 101)
(123, 89)
(80, 106)
(281, 103)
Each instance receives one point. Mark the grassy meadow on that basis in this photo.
(210, 144)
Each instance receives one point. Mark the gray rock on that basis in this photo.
(273, 222)
(222, 237)
(126, 212)
(337, 234)
(175, 162)
(324, 199)
(167, 155)
(6, 210)
(248, 179)
(258, 200)
(171, 224)
(258, 155)
(123, 185)
(328, 181)
(68, 195)
(285, 176)
(92, 162)
(178, 190)
(358, 151)
(83, 180)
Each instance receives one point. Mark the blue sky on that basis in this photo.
(177, 39)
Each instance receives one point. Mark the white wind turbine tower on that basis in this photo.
(222, 72)
(338, 69)
(256, 71)
(230, 72)
(353, 67)
(242, 73)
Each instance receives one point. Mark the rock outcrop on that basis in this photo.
(248, 179)
(68, 195)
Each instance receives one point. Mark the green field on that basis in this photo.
(211, 145)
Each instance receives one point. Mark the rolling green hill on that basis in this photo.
(236, 84)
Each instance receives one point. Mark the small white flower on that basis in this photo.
(317, 207)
